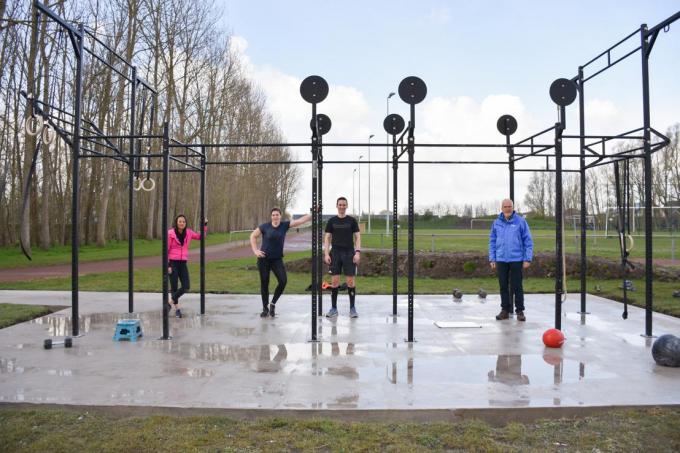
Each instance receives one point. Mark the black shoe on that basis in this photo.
(178, 313)
(520, 316)
(264, 313)
(272, 310)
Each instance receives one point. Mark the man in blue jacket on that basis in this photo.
(510, 251)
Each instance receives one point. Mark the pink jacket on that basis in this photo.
(177, 251)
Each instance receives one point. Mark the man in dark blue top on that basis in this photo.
(511, 250)
(270, 256)
(343, 232)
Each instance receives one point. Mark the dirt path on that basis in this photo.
(294, 243)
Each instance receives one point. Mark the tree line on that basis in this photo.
(178, 47)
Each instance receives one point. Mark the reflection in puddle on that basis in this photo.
(60, 325)
(10, 366)
(191, 372)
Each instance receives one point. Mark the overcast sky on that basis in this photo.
(479, 60)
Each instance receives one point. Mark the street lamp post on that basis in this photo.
(369, 181)
(354, 209)
(360, 157)
(387, 170)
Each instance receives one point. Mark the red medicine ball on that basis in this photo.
(553, 338)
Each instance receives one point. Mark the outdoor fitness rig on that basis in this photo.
(86, 140)
(412, 90)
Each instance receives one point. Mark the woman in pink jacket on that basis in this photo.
(179, 238)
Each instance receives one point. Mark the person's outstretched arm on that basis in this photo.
(301, 221)
(195, 235)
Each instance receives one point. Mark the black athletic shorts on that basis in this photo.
(341, 263)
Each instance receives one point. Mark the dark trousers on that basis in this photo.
(510, 274)
(266, 267)
(180, 272)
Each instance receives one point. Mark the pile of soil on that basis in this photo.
(474, 264)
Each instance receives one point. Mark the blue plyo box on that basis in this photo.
(128, 329)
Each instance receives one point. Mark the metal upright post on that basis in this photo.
(202, 227)
(319, 240)
(582, 174)
(511, 166)
(644, 51)
(411, 238)
(165, 309)
(131, 195)
(395, 223)
(315, 219)
(75, 207)
(559, 281)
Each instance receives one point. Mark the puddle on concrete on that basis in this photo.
(60, 325)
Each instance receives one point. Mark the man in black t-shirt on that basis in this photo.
(342, 231)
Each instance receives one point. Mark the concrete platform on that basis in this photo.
(230, 359)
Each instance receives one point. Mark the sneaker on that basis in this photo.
(265, 313)
(332, 313)
(353, 313)
(502, 315)
(178, 313)
(272, 310)
(520, 316)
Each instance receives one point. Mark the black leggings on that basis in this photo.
(266, 266)
(179, 271)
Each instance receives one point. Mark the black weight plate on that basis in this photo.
(324, 123)
(394, 124)
(507, 125)
(68, 342)
(563, 92)
(47, 344)
(412, 90)
(314, 89)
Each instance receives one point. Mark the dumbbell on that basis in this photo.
(457, 294)
(481, 293)
(67, 342)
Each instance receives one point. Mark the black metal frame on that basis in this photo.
(77, 36)
(647, 39)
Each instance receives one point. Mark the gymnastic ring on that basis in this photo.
(137, 185)
(32, 125)
(632, 243)
(148, 189)
(48, 134)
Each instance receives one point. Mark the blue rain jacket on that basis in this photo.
(510, 240)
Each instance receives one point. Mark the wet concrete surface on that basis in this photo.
(230, 358)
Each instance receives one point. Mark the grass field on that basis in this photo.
(12, 314)
(53, 430)
(440, 240)
(12, 257)
(544, 241)
(238, 276)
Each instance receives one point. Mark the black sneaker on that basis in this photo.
(264, 313)
(178, 313)
(272, 310)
